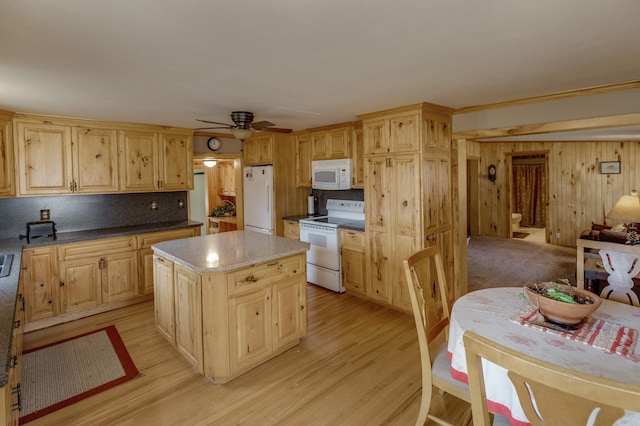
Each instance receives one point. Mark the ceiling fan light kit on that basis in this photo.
(242, 134)
(244, 126)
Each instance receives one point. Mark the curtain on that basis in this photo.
(529, 195)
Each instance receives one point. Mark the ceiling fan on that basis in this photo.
(244, 125)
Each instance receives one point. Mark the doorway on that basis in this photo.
(528, 196)
(217, 189)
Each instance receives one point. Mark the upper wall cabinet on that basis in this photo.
(397, 134)
(258, 150)
(332, 143)
(155, 162)
(7, 168)
(66, 156)
(303, 160)
(44, 158)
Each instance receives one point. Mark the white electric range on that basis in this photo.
(322, 233)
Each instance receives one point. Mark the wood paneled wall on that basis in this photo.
(577, 193)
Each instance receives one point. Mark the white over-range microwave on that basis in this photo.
(331, 174)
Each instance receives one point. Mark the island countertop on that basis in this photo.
(228, 250)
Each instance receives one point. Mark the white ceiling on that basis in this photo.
(302, 63)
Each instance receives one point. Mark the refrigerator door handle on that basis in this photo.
(267, 197)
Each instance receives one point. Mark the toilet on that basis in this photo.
(515, 220)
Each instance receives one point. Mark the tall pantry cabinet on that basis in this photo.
(407, 187)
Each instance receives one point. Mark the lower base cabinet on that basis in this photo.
(10, 393)
(67, 281)
(353, 261)
(252, 313)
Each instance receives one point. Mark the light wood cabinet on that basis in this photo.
(188, 314)
(44, 158)
(62, 159)
(164, 298)
(292, 229)
(7, 166)
(395, 134)
(334, 143)
(145, 254)
(258, 150)
(357, 155)
(353, 261)
(65, 156)
(407, 168)
(41, 282)
(151, 161)
(303, 160)
(252, 314)
(97, 272)
(95, 160)
(10, 394)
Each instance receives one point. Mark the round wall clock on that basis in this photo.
(214, 144)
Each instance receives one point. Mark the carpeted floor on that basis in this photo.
(502, 262)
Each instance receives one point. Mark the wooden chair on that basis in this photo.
(562, 396)
(428, 292)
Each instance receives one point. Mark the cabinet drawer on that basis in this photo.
(147, 240)
(292, 229)
(352, 238)
(250, 278)
(96, 248)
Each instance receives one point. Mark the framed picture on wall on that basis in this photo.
(609, 167)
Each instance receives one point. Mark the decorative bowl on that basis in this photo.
(558, 311)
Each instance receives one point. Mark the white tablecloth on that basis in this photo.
(488, 312)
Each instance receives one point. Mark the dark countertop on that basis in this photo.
(9, 284)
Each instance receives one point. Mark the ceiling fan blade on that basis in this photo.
(208, 128)
(276, 130)
(258, 125)
(228, 126)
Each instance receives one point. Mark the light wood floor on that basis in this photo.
(358, 365)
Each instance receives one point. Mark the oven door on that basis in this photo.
(325, 245)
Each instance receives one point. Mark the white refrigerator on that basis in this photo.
(258, 199)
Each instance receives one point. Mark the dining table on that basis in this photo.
(502, 315)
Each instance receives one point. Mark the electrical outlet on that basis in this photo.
(45, 214)
(154, 205)
(557, 235)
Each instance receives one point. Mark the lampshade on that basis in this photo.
(627, 208)
(241, 134)
(209, 163)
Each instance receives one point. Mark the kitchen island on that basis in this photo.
(229, 302)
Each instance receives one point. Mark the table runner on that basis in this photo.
(594, 332)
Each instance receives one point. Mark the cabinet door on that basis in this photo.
(95, 160)
(378, 193)
(138, 161)
(320, 146)
(357, 155)
(339, 142)
(404, 133)
(44, 158)
(118, 276)
(353, 270)
(7, 167)
(376, 137)
(163, 298)
(176, 162)
(292, 229)
(250, 329)
(303, 161)
(258, 150)
(40, 272)
(289, 311)
(188, 315)
(80, 284)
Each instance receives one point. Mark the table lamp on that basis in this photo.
(627, 209)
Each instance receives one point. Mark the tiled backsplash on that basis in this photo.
(83, 212)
